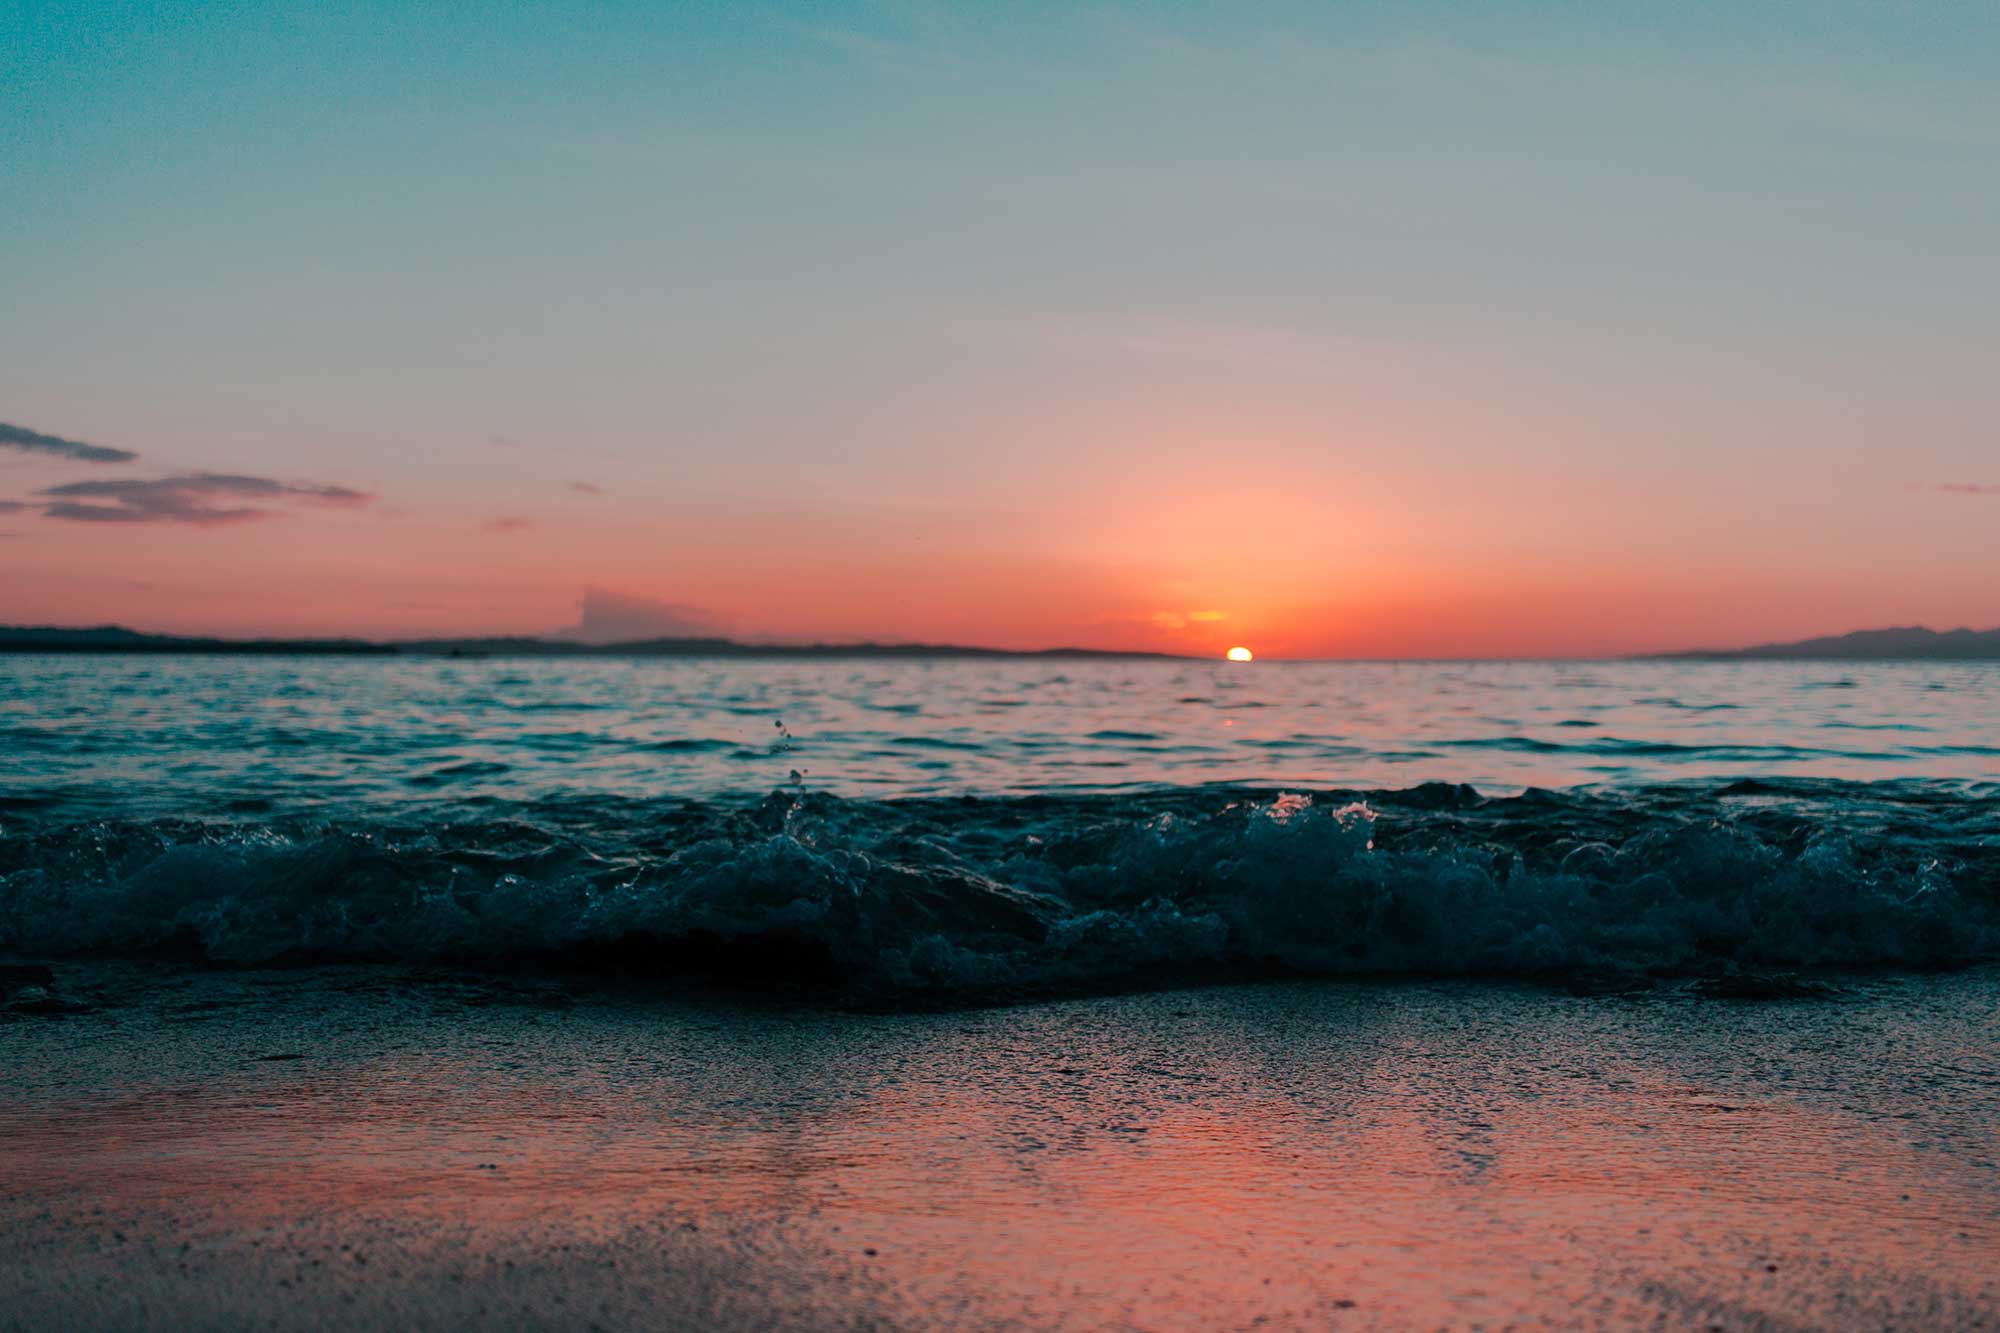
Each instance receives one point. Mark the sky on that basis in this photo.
(1415, 329)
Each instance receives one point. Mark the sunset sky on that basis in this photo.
(1359, 329)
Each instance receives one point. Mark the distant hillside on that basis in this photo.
(118, 639)
(1912, 643)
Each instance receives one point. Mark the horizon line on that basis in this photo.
(117, 638)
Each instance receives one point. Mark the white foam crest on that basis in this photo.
(890, 898)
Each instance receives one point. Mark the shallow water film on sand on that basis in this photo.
(998, 994)
(378, 1148)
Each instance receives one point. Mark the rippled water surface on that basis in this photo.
(975, 828)
(387, 988)
(186, 734)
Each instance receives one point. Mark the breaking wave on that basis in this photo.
(974, 897)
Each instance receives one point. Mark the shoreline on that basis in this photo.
(417, 1149)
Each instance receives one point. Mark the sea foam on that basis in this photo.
(970, 896)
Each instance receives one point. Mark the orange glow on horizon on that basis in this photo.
(1304, 587)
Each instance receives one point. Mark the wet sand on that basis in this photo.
(370, 1147)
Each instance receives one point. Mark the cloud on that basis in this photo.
(206, 498)
(610, 617)
(1179, 620)
(34, 442)
(11, 506)
(1965, 488)
(510, 523)
(586, 488)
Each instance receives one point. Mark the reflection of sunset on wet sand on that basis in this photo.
(1429, 1154)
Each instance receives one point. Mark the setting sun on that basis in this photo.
(1238, 654)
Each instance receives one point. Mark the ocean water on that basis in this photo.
(973, 829)
(413, 994)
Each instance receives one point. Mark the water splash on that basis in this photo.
(974, 897)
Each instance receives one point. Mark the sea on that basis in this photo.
(961, 830)
(404, 993)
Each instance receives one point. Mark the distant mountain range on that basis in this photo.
(117, 639)
(1913, 643)
(1910, 643)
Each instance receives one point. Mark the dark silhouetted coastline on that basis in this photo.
(1906, 643)
(118, 639)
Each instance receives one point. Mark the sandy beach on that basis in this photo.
(390, 1148)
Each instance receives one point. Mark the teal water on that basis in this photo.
(177, 736)
(983, 829)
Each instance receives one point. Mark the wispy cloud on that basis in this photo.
(207, 498)
(586, 488)
(509, 523)
(919, 54)
(34, 442)
(11, 506)
(1965, 488)
(1179, 620)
